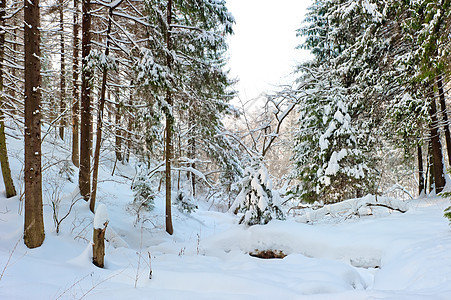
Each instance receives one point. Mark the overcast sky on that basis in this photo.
(262, 50)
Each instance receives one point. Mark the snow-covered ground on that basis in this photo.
(386, 255)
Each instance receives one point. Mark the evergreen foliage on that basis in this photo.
(143, 192)
(257, 200)
(335, 138)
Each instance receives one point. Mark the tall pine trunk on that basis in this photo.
(75, 93)
(6, 170)
(437, 156)
(63, 72)
(441, 95)
(34, 222)
(84, 180)
(169, 125)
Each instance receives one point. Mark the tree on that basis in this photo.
(75, 88)
(169, 123)
(34, 223)
(84, 180)
(335, 138)
(6, 170)
(104, 67)
(257, 200)
(63, 70)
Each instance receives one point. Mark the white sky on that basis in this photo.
(262, 50)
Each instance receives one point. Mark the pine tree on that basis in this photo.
(335, 139)
(257, 201)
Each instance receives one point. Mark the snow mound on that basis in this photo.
(353, 208)
(101, 217)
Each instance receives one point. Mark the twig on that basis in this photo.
(72, 286)
(386, 206)
(10, 256)
(99, 283)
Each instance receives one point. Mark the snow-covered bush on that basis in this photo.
(143, 193)
(257, 200)
(185, 202)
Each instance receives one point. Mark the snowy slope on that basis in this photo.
(393, 256)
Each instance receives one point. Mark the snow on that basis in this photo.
(341, 251)
(101, 217)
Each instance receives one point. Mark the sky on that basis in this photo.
(262, 51)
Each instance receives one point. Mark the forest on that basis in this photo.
(131, 166)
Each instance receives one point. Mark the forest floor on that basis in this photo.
(390, 255)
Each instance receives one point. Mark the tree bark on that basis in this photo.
(6, 170)
(429, 168)
(439, 177)
(98, 246)
(192, 153)
(129, 125)
(34, 222)
(119, 132)
(420, 170)
(84, 180)
(169, 125)
(63, 72)
(441, 95)
(75, 93)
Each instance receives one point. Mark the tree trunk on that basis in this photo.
(75, 93)
(441, 95)
(169, 125)
(420, 170)
(63, 72)
(6, 170)
(129, 125)
(429, 168)
(192, 153)
(98, 246)
(439, 177)
(34, 222)
(84, 180)
(119, 132)
(100, 115)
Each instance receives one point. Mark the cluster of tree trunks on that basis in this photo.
(435, 166)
